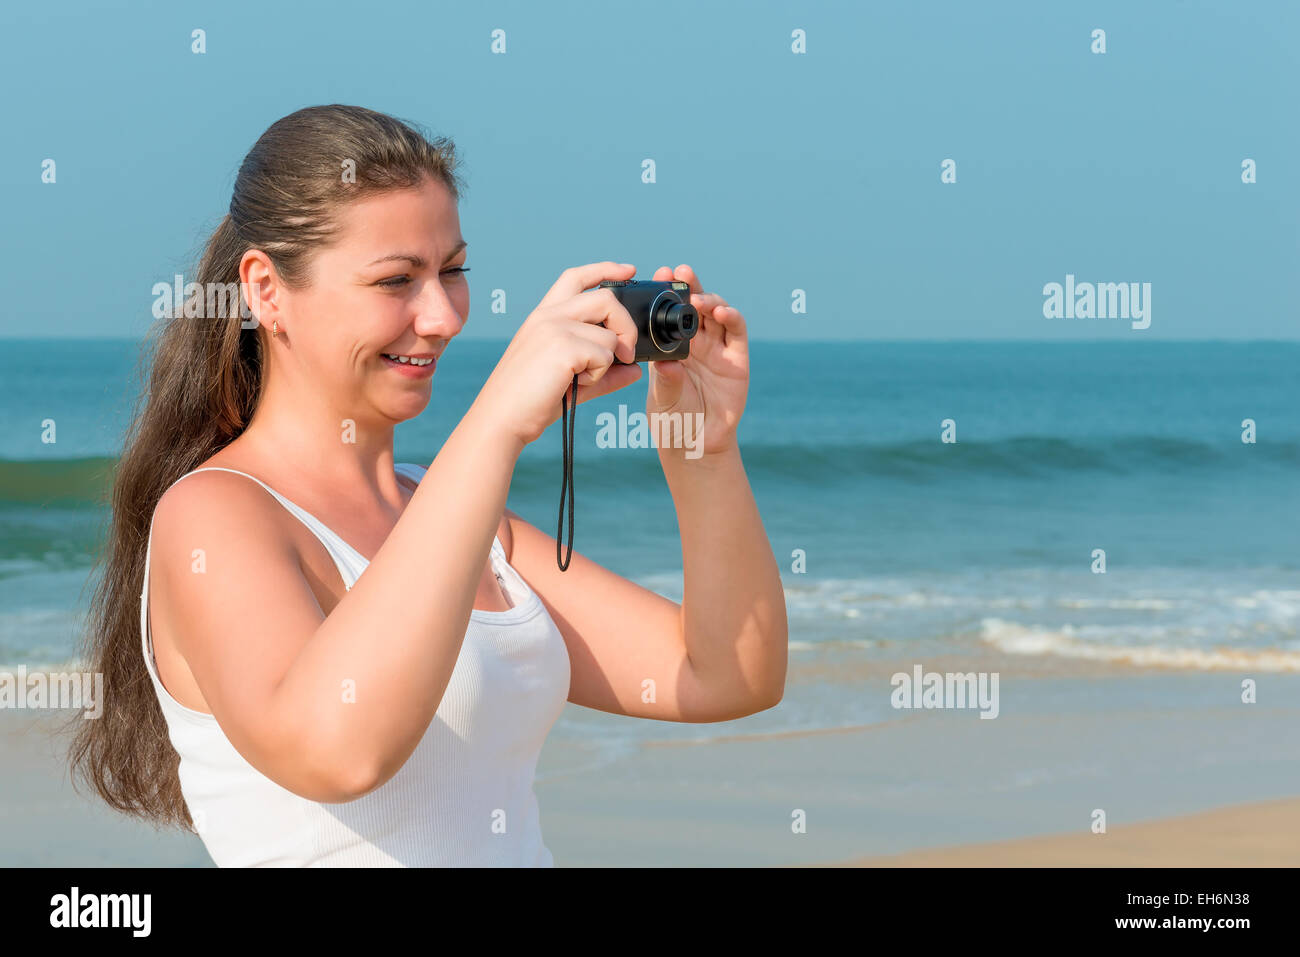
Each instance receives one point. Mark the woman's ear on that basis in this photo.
(260, 285)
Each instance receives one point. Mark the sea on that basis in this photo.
(1130, 503)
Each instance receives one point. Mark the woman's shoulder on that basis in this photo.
(213, 494)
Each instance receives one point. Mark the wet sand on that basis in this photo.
(1266, 834)
(1186, 774)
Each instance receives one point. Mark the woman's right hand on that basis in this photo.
(571, 332)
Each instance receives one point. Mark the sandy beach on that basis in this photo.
(1265, 834)
(1185, 773)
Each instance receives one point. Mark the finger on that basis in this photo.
(604, 338)
(592, 365)
(687, 275)
(602, 308)
(620, 321)
(576, 279)
(663, 274)
(593, 352)
(732, 322)
(666, 380)
(706, 302)
(617, 377)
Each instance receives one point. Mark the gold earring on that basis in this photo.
(275, 329)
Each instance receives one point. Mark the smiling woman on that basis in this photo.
(316, 656)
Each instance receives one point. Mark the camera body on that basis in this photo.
(665, 319)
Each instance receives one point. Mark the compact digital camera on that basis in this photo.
(665, 319)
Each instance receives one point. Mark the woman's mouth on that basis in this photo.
(414, 367)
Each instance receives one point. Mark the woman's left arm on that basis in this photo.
(722, 653)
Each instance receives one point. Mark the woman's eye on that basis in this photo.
(402, 280)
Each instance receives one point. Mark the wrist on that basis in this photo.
(484, 426)
(727, 457)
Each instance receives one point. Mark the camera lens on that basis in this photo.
(675, 322)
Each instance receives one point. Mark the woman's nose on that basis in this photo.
(436, 314)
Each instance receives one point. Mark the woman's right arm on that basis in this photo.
(330, 707)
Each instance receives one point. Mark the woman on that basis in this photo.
(293, 711)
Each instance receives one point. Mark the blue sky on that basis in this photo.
(775, 171)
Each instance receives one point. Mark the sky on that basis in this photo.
(775, 171)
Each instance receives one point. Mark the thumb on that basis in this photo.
(666, 382)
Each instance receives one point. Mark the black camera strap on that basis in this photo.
(568, 419)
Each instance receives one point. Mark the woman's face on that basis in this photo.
(388, 285)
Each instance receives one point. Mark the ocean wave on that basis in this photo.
(1028, 591)
(86, 480)
(1187, 606)
(824, 464)
(1065, 642)
(1128, 604)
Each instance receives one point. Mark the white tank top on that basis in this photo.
(463, 798)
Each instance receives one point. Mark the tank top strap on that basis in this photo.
(336, 547)
(411, 471)
(350, 564)
(349, 561)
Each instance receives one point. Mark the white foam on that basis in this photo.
(1134, 604)
(1029, 640)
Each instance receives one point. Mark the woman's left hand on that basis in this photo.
(714, 378)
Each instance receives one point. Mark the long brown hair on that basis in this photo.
(205, 380)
